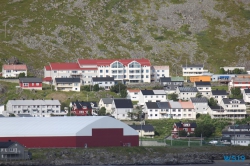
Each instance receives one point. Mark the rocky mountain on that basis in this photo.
(168, 32)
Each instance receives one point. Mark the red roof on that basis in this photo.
(66, 66)
(47, 79)
(14, 67)
(103, 62)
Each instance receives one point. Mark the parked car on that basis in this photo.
(213, 142)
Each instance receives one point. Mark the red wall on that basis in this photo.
(99, 138)
(30, 85)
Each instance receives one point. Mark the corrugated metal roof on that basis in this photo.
(187, 89)
(175, 104)
(34, 102)
(107, 100)
(59, 126)
(30, 79)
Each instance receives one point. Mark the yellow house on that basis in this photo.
(144, 130)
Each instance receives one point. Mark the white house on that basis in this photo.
(1, 109)
(151, 96)
(159, 71)
(234, 108)
(246, 95)
(106, 103)
(185, 93)
(68, 84)
(103, 82)
(133, 94)
(241, 82)
(200, 104)
(152, 110)
(35, 108)
(193, 70)
(216, 112)
(204, 88)
(218, 95)
(13, 70)
(121, 108)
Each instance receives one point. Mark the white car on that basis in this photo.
(213, 142)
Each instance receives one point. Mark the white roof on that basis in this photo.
(159, 92)
(59, 126)
(34, 102)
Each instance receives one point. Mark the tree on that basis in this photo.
(206, 129)
(236, 71)
(182, 133)
(96, 87)
(212, 102)
(173, 96)
(222, 71)
(21, 75)
(236, 93)
(102, 111)
(124, 93)
(199, 95)
(118, 88)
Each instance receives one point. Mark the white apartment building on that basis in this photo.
(125, 70)
(151, 96)
(193, 70)
(159, 71)
(185, 93)
(35, 108)
(204, 88)
(234, 108)
(246, 95)
(13, 70)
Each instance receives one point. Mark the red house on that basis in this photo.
(30, 83)
(82, 108)
(189, 127)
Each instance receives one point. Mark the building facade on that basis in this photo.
(204, 88)
(234, 108)
(200, 104)
(238, 82)
(170, 84)
(31, 83)
(133, 94)
(121, 109)
(151, 96)
(13, 70)
(185, 93)
(103, 82)
(193, 70)
(159, 71)
(68, 84)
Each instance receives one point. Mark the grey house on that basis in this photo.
(170, 84)
(200, 104)
(13, 151)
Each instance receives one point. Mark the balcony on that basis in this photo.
(64, 85)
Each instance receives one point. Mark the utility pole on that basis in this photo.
(201, 139)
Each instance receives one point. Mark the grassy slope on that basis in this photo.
(37, 43)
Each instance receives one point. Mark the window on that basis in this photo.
(107, 71)
(100, 71)
(147, 71)
(76, 84)
(25, 84)
(156, 115)
(146, 76)
(150, 110)
(37, 84)
(55, 71)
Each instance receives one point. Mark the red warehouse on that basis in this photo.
(31, 83)
(75, 131)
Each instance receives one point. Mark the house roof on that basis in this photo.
(165, 79)
(47, 67)
(15, 67)
(236, 132)
(147, 92)
(187, 89)
(216, 108)
(245, 126)
(6, 144)
(240, 79)
(30, 80)
(199, 100)
(227, 101)
(107, 100)
(175, 104)
(163, 105)
(100, 79)
(152, 105)
(67, 80)
(247, 90)
(47, 79)
(181, 79)
(192, 65)
(201, 83)
(186, 104)
(66, 66)
(24, 115)
(159, 92)
(219, 92)
(80, 104)
(191, 124)
(146, 128)
(34, 102)
(123, 103)
(161, 67)
(104, 62)
(133, 90)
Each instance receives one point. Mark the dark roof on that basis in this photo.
(236, 132)
(143, 127)
(152, 105)
(147, 92)
(107, 100)
(227, 101)
(80, 104)
(165, 79)
(180, 124)
(187, 89)
(24, 115)
(123, 103)
(68, 80)
(30, 79)
(240, 126)
(216, 108)
(247, 90)
(6, 144)
(99, 79)
(199, 99)
(192, 65)
(200, 83)
(163, 105)
(219, 92)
